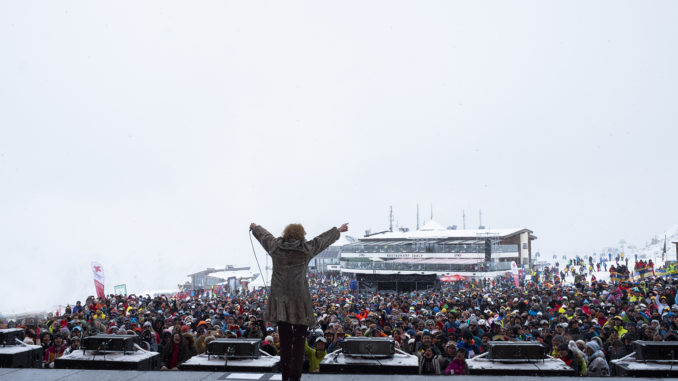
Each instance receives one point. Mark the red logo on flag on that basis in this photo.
(97, 268)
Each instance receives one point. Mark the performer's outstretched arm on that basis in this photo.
(266, 239)
(327, 238)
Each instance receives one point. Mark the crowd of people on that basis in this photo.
(586, 323)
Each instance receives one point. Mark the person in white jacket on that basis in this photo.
(595, 358)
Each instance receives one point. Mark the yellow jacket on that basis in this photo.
(314, 358)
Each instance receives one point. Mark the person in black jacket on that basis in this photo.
(626, 348)
(174, 353)
(574, 331)
(566, 355)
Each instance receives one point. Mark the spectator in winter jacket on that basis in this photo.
(468, 344)
(568, 357)
(574, 331)
(618, 325)
(579, 357)
(429, 362)
(190, 344)
(458, 365)
(254, 330)
(315, 355)
(596, 364)
(556, 341)
(55, 351)
(45, 340)
(268, 347)
(427, 342)
(626, 348)
(484, 344)
(448, 355)
(174, 353)
(75, 345)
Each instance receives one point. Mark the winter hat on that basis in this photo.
(269, 339)
(593, 345)
(598, 340)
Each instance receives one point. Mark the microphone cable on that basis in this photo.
(257, 259)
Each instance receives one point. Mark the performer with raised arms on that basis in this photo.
(289, 301)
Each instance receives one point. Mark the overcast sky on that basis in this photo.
(148, 135)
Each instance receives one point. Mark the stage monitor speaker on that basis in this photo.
(515, 350)
(8, 336)
(656, 350)
(235, 348)
(121, 343)
(21, 357)
(369, 346)
(140, 361)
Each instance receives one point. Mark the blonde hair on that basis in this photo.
(294, 231)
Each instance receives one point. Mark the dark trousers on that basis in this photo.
(292, 337)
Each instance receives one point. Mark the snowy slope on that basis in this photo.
(652, 249)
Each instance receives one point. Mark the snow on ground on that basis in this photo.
(650, 250)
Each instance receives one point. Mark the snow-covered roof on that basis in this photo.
(212, 270)
(233, 274)
(432, 229)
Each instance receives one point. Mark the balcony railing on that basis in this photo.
(426, 248)
(437, 267)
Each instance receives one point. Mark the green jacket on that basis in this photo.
(314, 358)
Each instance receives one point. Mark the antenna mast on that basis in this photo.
(417, 216)
(390, 219)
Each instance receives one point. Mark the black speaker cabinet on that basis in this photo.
(21, 357)
(516, 350)
(656, 350)
(369, 346)
(235, 348)
(111, 361)
(8, 336)
(121, 343)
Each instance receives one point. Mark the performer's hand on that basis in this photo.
(252, 225)
(343, 228)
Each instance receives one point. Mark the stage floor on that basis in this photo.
(109, 375)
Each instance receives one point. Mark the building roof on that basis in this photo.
(212, 270)
(433, 230)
